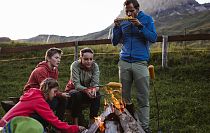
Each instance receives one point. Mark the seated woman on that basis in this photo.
(84, 80)
(33, 102)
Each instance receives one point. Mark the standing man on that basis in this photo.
(136, 34)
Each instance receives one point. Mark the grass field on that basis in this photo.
(183, 88)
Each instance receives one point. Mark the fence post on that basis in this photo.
(164, 51)
(76, 51)
(110, 33)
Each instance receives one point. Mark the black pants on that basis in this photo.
(58, 105)
(78, 99)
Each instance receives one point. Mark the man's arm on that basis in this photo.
(116, 32)
(149, 31)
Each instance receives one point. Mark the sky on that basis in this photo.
(23, 19)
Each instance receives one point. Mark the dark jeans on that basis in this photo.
(78, 99)
(58, 105)
(40, 119)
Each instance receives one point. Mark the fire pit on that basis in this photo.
(115, 118)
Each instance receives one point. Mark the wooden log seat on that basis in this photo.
(7, 105)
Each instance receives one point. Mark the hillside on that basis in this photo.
(182, 89)
(192, 23)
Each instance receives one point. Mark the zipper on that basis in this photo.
(131, 42)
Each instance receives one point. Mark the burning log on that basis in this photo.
(116, 117)
(112, 127)
(99, 120)
(128, 123)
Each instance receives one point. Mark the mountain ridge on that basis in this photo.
(168, 15)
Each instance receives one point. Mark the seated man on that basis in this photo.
(33, 102)
(84, 80)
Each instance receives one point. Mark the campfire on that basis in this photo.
(115, 118)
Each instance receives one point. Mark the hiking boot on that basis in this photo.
(130, 108)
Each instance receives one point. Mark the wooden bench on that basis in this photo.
(8, 104)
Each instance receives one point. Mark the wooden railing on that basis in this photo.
(175, 38)
(164, 39)
(57, 45)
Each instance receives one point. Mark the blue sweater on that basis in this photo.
(135, 41)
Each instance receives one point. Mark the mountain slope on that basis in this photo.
(191, 24)
(154, 6)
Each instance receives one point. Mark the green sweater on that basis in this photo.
(83, 78)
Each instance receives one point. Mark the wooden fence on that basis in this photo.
(164, 39)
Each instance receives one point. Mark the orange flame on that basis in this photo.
(116, 99)
(105, 102)
(100, 124)
(101, 127)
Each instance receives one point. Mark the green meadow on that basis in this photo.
(183, 88)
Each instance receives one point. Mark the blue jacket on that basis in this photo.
(135, 41)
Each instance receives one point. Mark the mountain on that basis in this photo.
(170, 16)
(157, 6)
(5, 39)
(57, 39)
(207, 5)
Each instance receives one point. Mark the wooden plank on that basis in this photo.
(164, 51)
(159, 39)
(94, 42)
(192, 37)
(93, 128)
(112, 127)
(36, 47)
(128, 123)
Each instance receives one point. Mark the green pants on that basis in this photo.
(138, 73)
